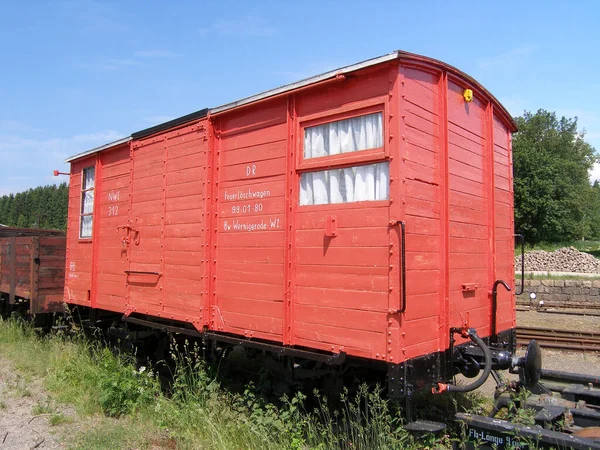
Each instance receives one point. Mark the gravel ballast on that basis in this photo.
(566, 259)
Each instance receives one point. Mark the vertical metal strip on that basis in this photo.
(161, 281)
(212, 223)
(444, 145)
(66, 297)
(131, 221)
(491, 201)
(396, 148)
(290, 189)
(512, 222)
(207, 222)
(96, 229)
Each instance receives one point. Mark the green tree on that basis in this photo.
(593, 211)
(551, 180)
(22, 222)
(42, 207)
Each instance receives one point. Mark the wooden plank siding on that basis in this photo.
(341, 284)
(468, 176)
(211, 231)
(32, 268)
(250, 227)
(79, 255)
(112, 199)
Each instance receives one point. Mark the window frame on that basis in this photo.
(343, 160)
(357, 158)
(81, 213)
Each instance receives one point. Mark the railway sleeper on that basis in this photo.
(490, 433)
(566, 415)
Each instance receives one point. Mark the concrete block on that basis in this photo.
(559, 283)
(547, 282)
(570, 283)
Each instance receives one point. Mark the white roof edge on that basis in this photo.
(262, 95)
(305, 82)
(98, 149)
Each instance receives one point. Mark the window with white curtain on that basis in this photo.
(87, 202)
(352, 184)
(344, 136)
(366, 182)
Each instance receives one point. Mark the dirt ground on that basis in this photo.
(27, 413)
(552, 319)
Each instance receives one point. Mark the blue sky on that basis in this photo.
(78, 74)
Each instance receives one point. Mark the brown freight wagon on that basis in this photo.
(32, 267)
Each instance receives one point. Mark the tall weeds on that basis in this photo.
(196, 412)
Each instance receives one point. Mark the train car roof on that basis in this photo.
(398, 54)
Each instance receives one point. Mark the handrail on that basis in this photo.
(495, 304)
(141, 272)
(402, 280)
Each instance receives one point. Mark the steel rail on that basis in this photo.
(559, 339)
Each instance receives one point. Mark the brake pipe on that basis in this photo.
(471, 334)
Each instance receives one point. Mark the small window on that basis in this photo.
(352, 184)
(344, 136)
(87, 202)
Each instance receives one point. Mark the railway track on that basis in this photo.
(559, 339)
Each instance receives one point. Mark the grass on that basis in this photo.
(58, 419)
(544, 276)
(43, 408)
(121, 405)
(591, 247)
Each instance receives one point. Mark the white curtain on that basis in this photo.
(353, 184)
(344, 136)
(86, 226)
(88, 178)
(87, 202)
(360, 183)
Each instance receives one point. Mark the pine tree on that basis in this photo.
(42, 207)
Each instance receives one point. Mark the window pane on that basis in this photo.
(88, 178)
(353, 184)
(87, 202)
(344, 136)
(86, 227)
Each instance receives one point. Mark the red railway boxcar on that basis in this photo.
(32, 266)
(360, 217)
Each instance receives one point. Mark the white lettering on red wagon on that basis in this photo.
(247, 208)
(113, 196)
(251, 170)
(252, 225)
(245, 194)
